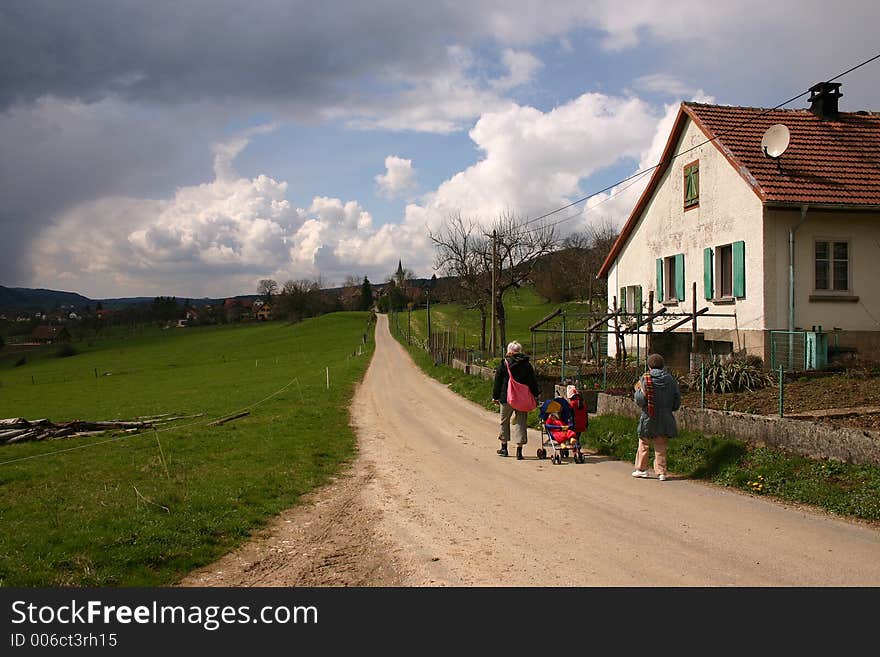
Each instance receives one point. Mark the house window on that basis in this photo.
(634, 298)
(670, 278)
(630, 299)
(669, 266)
(832, 266)
(724, 271)
(692, 185)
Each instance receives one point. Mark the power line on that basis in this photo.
(674, 157)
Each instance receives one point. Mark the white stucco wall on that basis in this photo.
(729, 211)
(862, 231)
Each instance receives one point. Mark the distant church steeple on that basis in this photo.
(400, 276)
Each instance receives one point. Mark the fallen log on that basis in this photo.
(27, 435)
(111, 425)
(12, 433)
(224, 420)
(44, 429)
(13, 430)
(80, 434)
(178, 417)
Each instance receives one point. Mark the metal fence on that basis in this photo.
(591, 373)
(789, 350)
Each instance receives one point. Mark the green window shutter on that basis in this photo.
(679, 276)
(621, 300)
(707, 273)
(659, 279)
(637, 293)
(739, 269)
(692, 185)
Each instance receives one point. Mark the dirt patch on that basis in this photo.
(806, 393)
(328, 540)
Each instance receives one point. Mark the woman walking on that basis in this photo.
(515, 364)
(657, 394)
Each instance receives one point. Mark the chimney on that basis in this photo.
(823, 100)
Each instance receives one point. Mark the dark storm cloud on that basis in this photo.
(58, 154)
(165, 67)
(172, 52)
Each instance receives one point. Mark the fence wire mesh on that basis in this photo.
(788, 349)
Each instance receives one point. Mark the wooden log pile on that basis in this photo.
(16, 430)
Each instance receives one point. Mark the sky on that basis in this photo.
(191, 148)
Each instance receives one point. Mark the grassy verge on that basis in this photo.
(145, 509)
(845, 489)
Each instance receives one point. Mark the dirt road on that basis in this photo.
(429, 503)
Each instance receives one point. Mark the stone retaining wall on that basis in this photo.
(816, 440)
(474, 370)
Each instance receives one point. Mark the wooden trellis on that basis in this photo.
(619, 323)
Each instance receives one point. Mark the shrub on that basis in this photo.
(65, 350)
(21, 361)
(732, 376)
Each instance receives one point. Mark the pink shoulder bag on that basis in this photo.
(518, 394)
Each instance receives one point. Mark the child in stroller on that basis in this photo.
(578, 408)
(557, 422)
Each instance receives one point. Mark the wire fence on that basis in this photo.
(796, 357)
(582, 365)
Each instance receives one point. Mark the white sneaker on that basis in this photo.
(661, 477)
(642, 474)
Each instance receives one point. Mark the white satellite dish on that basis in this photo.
(775, 140)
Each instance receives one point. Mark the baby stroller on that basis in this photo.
(557, 431)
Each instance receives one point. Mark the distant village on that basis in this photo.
(293, 301)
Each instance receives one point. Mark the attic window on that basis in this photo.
(692, 185)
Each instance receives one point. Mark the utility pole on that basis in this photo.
(428, 298)
(492, 346)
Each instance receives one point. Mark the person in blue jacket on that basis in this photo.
(657, 394)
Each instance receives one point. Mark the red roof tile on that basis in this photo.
(827, 162)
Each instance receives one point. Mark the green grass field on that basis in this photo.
(146, 508)
(523, 307)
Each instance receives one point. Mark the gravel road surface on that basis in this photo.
(429, 503)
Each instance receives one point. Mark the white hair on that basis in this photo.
(514, 348)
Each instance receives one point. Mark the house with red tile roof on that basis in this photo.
(778, 244)
(46, 334)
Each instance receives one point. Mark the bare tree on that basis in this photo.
(267, 289)
(519, 246)
(460, 254)
(601, 236)
(300, 299)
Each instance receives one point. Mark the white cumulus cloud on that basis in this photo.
(398, 179)
(222, 236)
(535, 161)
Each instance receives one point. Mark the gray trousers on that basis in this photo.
(521, 422)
